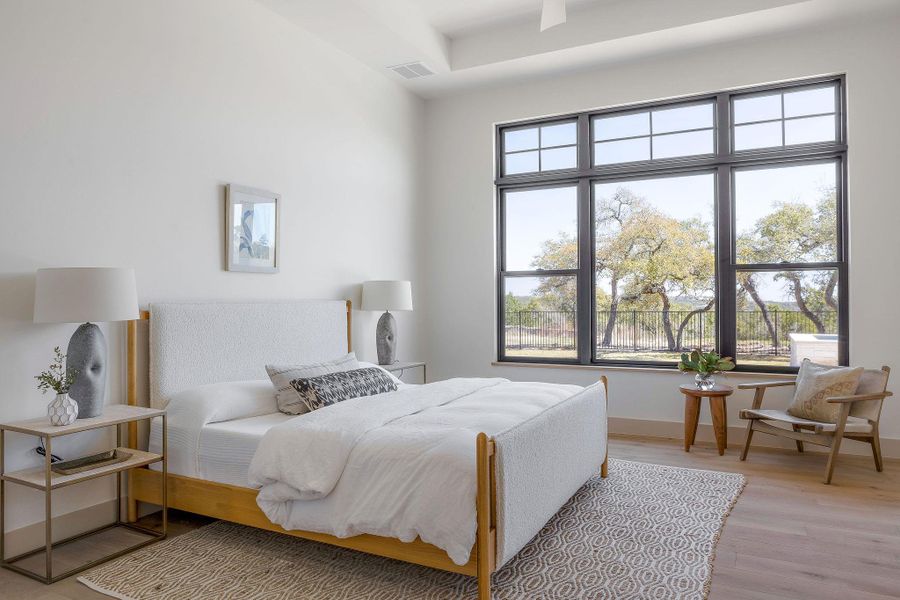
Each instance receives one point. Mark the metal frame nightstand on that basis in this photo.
(43, 478)
(399, 367)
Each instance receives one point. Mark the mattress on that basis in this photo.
(224, 450)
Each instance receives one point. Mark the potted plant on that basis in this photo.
(62, 410)
(705, 365)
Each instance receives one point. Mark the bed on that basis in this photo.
(555, 450)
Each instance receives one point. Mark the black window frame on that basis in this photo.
(724, 162)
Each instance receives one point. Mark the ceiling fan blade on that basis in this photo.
(553, 13)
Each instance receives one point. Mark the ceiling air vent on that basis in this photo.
(411, 70)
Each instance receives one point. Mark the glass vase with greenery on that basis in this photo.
(705, 365)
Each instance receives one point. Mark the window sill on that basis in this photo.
(536, 365)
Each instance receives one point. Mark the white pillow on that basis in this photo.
(190, 410)
(287, 398)
(363, 364)
(817, 383)
(217, 402)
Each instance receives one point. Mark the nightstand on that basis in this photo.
(398, 368)
(46, 480)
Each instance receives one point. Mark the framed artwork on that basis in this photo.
(251, 229)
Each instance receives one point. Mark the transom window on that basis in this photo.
(801, 116)
(654, 134)
(629, 236)
(547, 147)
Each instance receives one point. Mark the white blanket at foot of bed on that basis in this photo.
(400, 464)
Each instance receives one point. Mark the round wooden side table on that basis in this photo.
(717, 395)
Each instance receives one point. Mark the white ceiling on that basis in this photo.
(475, 42)
(453, 17)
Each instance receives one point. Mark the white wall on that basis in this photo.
(460, 280)
(120, 122)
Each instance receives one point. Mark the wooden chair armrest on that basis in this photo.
(858, 398)
(766, 384)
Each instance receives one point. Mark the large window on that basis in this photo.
(628, 236)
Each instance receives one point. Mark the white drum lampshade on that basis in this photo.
(387, 296)
(83, 295)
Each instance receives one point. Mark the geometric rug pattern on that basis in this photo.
(646, 532)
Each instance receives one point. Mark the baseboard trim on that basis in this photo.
(890, 447)
(30, 537)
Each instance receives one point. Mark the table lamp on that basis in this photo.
(83, 295)
(386, 296)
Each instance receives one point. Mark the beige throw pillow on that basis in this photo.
(816, 383)
(289, 401)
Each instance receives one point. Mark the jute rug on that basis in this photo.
(648, 531)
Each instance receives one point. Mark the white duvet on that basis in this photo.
(400, 464)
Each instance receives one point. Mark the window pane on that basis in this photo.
(809, 102)
(654, 267)
(786, 214)
(520, 139)
(809, 130)
(521, 162)
(757, 108)
(539, 317)
(683, 144)
(559, 158)
(610, 128)
(541, 229)
(697, 116)
(786, 316)
(607, 153)
(558, 135)
(761, 135)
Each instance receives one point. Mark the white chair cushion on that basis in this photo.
(817, 383)
(854, 424)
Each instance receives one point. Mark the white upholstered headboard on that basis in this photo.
(198, 343)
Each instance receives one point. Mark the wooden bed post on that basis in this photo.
(604, 468)
(349, 326)
(131, 399)
(486, 515)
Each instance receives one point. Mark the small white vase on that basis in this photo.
(62, 410)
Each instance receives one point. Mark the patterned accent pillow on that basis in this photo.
(325, 390)
(282, 375)
(816, 383)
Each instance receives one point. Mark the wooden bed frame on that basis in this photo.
(238, 504)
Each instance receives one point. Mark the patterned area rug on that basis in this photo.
(648, 531)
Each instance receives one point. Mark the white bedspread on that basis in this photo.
(400, 464)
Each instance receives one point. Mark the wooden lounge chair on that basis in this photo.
(857, 420)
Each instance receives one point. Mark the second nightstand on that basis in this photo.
(398, 368)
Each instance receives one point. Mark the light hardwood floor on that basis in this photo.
(789, 537)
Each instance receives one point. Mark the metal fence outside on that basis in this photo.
(644, 330)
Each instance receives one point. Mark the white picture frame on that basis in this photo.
(252, 229)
